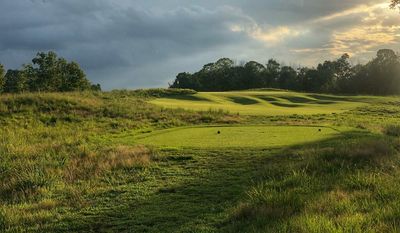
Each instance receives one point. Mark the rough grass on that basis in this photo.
(89, 164)
(392, 130)
(328, 190)
(71, 163)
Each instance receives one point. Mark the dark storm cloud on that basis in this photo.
(128, 44)
(108, 36)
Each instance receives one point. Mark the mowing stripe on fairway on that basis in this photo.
(264, 102)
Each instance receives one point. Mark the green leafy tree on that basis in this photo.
(273, 70)
(255, 73)
(223, 64)
(72, 77)
(379, 76)
(15, 81)
(334, 75)
(95, 87)
(343, 73)
(383, 75)
(51, 73)
(302, 78)
(45, 72)
(288, 78)
(184, 80)
(2, 81)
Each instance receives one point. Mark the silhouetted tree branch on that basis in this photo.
(395, 3)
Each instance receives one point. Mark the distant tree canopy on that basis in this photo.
(47, 73)
(379, 76)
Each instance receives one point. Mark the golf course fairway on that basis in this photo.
(267, 103)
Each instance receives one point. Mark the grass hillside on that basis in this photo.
(180, 161)
(264, 102)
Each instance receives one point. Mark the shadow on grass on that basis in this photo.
(297, 99)
(302, 100)
(243, 100)
(267, 98)
(279, 104)
(332, 98)
(188, 97)
(199, 193)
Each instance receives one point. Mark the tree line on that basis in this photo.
(380, 76)
(46, 73)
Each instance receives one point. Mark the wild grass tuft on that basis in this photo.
(392, 130)
(88, 164)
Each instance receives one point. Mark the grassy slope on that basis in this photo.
(71, 163)
(265, 103)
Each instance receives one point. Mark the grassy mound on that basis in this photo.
(265, 102)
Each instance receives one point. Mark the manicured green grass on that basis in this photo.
(265, 102)
(236, 136)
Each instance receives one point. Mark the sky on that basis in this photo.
(128, 44)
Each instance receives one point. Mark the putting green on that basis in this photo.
(237, 136)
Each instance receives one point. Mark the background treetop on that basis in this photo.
(379, 76)
(46, 73)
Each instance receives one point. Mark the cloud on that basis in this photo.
(141, 43)
(271, 36)
(359, 31)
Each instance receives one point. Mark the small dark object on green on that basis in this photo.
(319, 130)
(219, 132)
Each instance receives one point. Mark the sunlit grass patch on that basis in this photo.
(236, 136)
(89, 164)
(264, 102)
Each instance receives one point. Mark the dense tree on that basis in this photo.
(273, 70)
(15, 82)
(2, 78)
(255, 74)
(44, 74)
(343, 73)
(185, 80)
(379, 76)
(312, 80)
(73, 78)
(302, 78)
(287, 78)
(49, 73)
(95, 87)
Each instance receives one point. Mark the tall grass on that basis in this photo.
(351, 187)
(392, 130)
